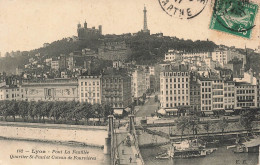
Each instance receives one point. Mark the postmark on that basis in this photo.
(234, 17)
(183, 9)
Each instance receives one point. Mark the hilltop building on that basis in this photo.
(88, 33)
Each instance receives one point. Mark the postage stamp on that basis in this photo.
(234, 17)
(183, 9)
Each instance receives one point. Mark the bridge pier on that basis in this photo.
(107, 146)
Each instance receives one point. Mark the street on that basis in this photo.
(148, 108)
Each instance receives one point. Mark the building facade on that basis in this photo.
(174, 88)
(229, 95)
(88, 33)
(245, 95)
(50, 90)
(90, 89)
(206, 95)
(217, 94)
(10, 93)
(140, 82)
(195, 101)
(116, 90)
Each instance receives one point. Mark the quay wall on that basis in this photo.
(86, 135)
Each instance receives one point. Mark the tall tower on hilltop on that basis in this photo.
(145, 28)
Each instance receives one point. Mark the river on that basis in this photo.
(220, 157)
(14, 152)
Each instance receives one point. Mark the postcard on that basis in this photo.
(140, 82)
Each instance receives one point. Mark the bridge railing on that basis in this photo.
(135, 140)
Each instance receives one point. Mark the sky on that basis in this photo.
(27, 24)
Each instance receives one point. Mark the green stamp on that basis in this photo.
(234, 17)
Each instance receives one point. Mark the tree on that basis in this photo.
(67, 108)
(77, 113)
(108, 110)
(222, 124)
(56, 111)
(194, 122)
(46, 108)
(13, 109)
(23, 109)
(208, 126)
(98, 111)
(246, 121)
(4, 108)
(87, 111)
(182, 124)
(31, 107)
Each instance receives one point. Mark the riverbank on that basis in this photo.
(93, 136)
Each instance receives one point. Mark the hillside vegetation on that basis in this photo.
(146, 49)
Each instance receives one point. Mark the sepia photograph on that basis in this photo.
(129, 82)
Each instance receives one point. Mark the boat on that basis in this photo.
(186, 149)
(251, 146)
(163, 156)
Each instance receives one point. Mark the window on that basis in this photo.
(86, 83)
(81, 83)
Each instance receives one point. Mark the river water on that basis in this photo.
(220, 157)
(14, 152)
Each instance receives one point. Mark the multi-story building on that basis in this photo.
(50, 90)
(245, 95)
(10, 93)
(206, 95)
(116, 90)
(151, 70)
(63, 62)
(55, 65)
(172, 55)
(175, 88)
(140, 82)
(90, 89)
(229, 95)
(217, 94)
(223, 56)
(195, 101)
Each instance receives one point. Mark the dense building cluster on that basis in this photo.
(190, 81)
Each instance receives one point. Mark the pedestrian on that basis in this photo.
(130, 159)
